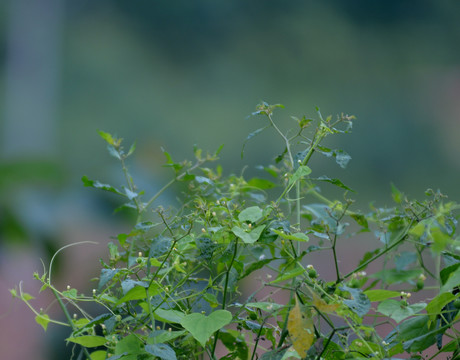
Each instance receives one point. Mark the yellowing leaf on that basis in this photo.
(322, 306)
(301, 330)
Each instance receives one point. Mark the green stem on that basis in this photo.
(286, 140)
(172, 181)
(297, 190)
(224, 297)
(69, 318)
(259, 334)
(129, 181)
(402, 235)
(335, 258)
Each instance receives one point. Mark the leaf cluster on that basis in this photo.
(174, 286)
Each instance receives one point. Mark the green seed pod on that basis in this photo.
(457, 303)
(420, 284)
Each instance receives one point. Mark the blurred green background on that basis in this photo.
(176, 73)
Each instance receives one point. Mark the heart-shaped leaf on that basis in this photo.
(88, 340)
(252, 214)
(202, 327)
(398, 312)
(248, 236)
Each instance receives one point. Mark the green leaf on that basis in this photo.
(279, 354)
(211, 299)
(144, 226)
(106, 276)
(88, 340)
(97, 185)
(42, 320)
(360, 219)
(202, 327)
(395, 276)
(256, 266)
(108, 138)
(138, 293)
(341, 157)
(72, 293)
(250, 136)
(261, 183)
(26, 296)
(359, 303)
(439, 301)
(130, 194)
(419, 229)
(251, 214)
(123, 355)
(128, 345)
(380, 295)
(404, 259)
(160, 245)
(265, 306)
(441, 240)
(288, 275)
(301, 172)
(447, 271)
(99, 355)
(170, 316)
(335, 182)
(161, 351)
(452, 281)
(234, 341)
(248, 237)
(84, 323)
(397, 311)
(396, 194)
(114, 152)
(131, 149)
(293, 237)
(414, 333)
(163, 336)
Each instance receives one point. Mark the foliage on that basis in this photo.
(173, 287)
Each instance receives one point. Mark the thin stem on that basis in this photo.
(172, 181)
(286, 140)
(129, 181)
(62, 248)
(335, 258)
(224, 297)
(259, 334)
(402, 235)
(69, 318)
(297, 190)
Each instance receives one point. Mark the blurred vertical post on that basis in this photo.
(32, 78)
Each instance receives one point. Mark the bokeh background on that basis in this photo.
(176, 73)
